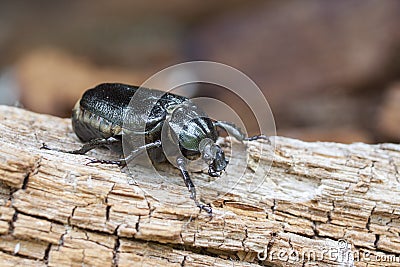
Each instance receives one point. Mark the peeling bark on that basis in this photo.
(316, 198)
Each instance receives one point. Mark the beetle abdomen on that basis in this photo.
(108, 101)
(88, 125)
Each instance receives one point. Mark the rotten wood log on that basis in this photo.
(321, 204)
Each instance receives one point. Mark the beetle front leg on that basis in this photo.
(86, 147)
(236, 132)
(189, 184)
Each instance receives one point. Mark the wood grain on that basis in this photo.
(316, 199)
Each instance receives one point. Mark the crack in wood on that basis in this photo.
(12, 222)
(369, 219)
(137, 226)
(246, 235)
(183, 261)
(19, 255)
(33, 170)
(47, 254)
(377, 237)
(117, 245)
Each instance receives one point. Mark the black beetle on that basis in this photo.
(98, 120)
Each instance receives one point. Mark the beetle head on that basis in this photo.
(214, 156)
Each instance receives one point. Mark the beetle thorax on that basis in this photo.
(191, 125)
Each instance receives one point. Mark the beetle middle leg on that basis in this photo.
(123, 162)
(189, 184)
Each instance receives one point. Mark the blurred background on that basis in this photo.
(330, 70)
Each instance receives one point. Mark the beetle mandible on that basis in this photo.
(98, 121)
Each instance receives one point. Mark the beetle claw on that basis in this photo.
(44, 146)
(213, 173)
(258, 137)
(207, 208)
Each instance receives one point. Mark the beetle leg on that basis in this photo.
(120, 162)
(213, 173)
(236, 132)
(123, 162)
(94, 143)
(140, 149)
(189, 184)
(257, 137)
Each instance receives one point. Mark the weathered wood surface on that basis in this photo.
(55, 210)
